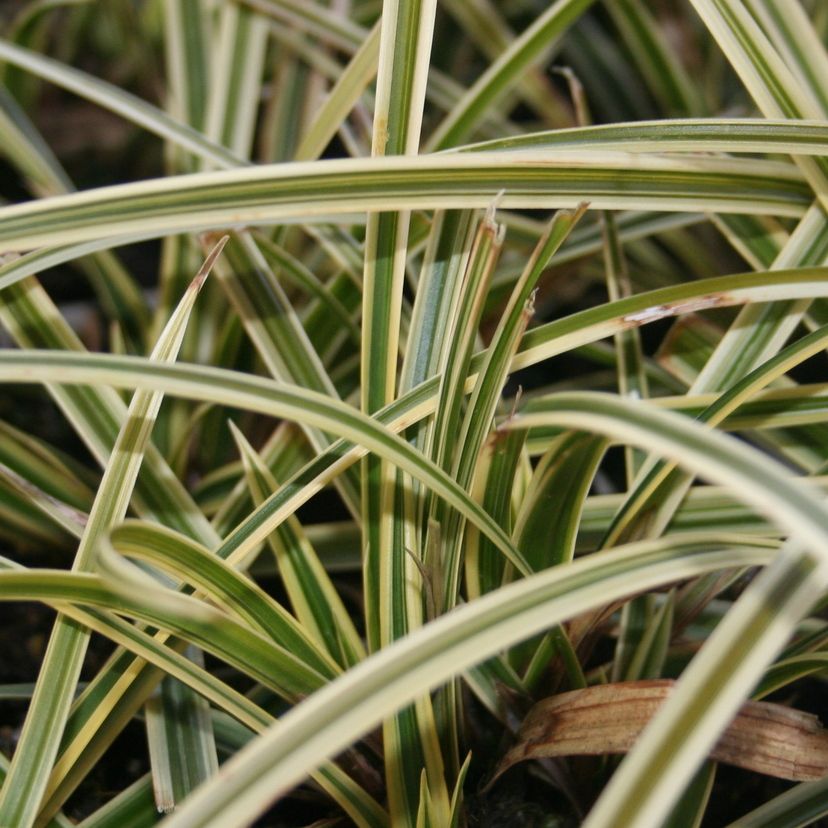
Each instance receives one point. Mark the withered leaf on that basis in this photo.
(764, 737)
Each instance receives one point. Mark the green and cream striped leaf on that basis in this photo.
(255, 394)
(60, 588)
(317, 191)
(313, 18)
(789, 670)
(750, 636)
(33, 321)
(275, 329)
(763, 72)
(48, 712)
(657, 61)
(726, 460)
(796, 39)
(356, 802)
(495, 481)
(488, 388)
(561, 333)
(27, 150)
(294, 270)
(135, 594)
(314, 598)
(175, 715)
(119, 101)
(414, 764)
(733, 659)
(723, 135)
(483, 23)
(59, 820)
(134, 805)
(193, 565)
(535, 42)
(740, 351)
(632, 378)
(25, 500)
(355, 78)
(804, 804)
(770, 409)
(659, 488)
(352, 705)
(541, 343)
(186, 42)
(46, 467)
(237, 62)
(550, 514)
(404, 53)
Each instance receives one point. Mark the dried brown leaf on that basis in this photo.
(607, 719)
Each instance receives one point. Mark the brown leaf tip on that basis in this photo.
(204, 270)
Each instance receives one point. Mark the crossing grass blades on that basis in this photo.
(413, 413)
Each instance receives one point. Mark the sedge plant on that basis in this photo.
(379, 377)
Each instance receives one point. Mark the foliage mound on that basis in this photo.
(411, 407)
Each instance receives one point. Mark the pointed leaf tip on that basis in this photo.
(209, 261)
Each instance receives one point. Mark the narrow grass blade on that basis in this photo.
(541, 179)
(211, 629)
(658, 63)
(46, 467)
(332, 718)
(177, 772)
(725, 458)
(293, 269)
(486, 393)
(195, 566)
(39, 742)
(764, 73)
(238, 59)
(732, 660)
(412, 764)
(24, 500)
(726, 135)
(660, 488)
(58, 821)
(256, 394)
(550, 514)
(188, 63)
(354, 801)
(405, 48)
(24, 147)
(341, 99)
(497, 467)
(632, 380)
(314, 598)
(118, 100)
(275, 329)
(538, 39)
(739, 352)
(134, 806)
(797, 40)
(461, 338)
(97, 415)
(802, 805)
(119, 295)
(483, 22)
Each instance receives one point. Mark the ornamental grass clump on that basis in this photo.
(414, 413)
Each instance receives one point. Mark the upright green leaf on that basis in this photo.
(39, 741)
